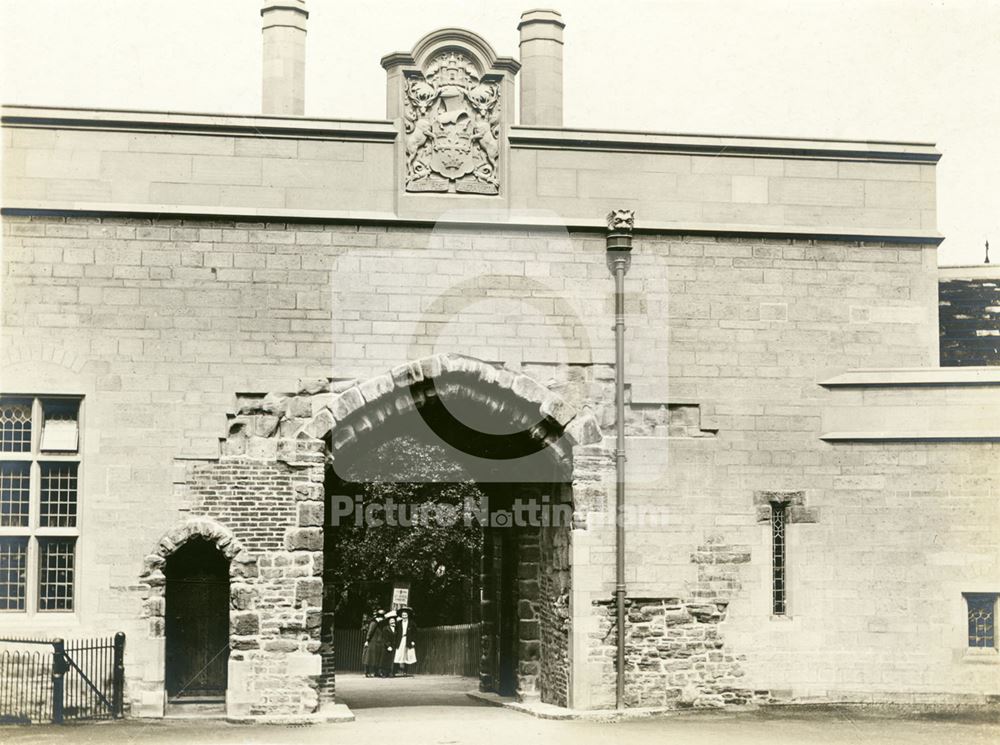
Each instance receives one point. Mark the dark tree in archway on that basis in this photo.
(438, 555)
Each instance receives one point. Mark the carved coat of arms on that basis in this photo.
(451, 122)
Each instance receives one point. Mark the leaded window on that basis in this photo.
(58, 495)
(13, 572)
(40, 472)
(15, 425)
(982, 607)
(15, 494)
(778, 546)
(55, 573)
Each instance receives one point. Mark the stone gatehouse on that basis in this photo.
(205, 316)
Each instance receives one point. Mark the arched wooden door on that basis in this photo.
(197, 621)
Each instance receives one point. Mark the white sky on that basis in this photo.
(911, 70)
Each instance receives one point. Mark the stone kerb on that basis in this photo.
(292, 427)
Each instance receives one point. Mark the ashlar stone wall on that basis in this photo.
(159, 323)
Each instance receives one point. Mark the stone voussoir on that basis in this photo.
(338, 386)
(584, 429)
(430, 366)
(347, 403)
(558, 409)
(504, 377)
(460, 363)
(375, 388)
(406, 375)
(319, 426)
(529, 389)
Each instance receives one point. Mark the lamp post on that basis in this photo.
(619, 258)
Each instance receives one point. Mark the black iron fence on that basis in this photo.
(51, 680)
(441, 650)
(25, 685)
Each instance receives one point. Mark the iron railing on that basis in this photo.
(70, 680)
(25, 685)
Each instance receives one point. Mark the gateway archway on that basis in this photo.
(520, 460)
(265, 503)
(491, 556)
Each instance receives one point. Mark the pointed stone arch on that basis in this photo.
(241, 564)
(552, 421)
(294, 438)
(201, 527)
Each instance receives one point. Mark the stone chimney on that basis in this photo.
(284, 28)
(541, 68)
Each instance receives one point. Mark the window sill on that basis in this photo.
(50, 618)
(981, 656)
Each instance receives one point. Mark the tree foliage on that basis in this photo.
(438, 555)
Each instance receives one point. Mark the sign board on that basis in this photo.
(400, 597)
(60, 435)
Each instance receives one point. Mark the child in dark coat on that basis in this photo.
(387, 646)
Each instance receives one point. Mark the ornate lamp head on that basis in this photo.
(619, 239)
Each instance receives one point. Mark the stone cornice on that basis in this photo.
(520, 136)
(282, 6)
(913, 436)
(197, 124)
(783, 147)
(917, 376)
(397, 59)
(163, 211)
(933, 404)
(973, 271)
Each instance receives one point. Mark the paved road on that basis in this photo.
(361, 693)
(435, 711)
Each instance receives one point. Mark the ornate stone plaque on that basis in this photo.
(451, 122)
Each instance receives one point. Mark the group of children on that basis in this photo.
(390, 644)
